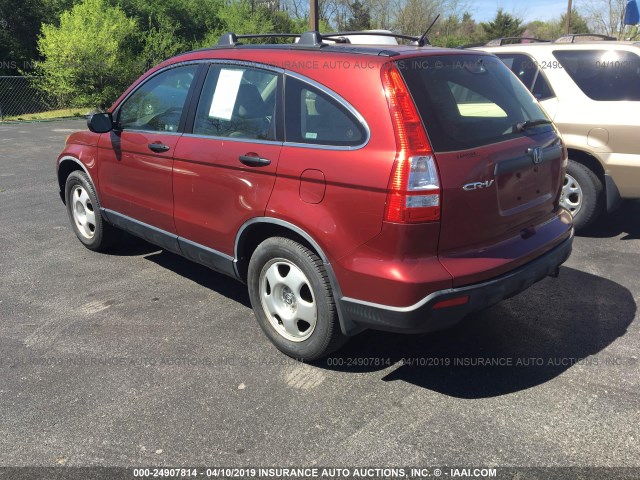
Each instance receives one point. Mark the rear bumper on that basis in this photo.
(422, 317)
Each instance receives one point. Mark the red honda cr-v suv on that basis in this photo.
(351, 187)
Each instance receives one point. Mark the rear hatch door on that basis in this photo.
(500, 162)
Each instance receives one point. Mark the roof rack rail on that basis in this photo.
(414, 38)
(314, 39)
(471, 45)
(572, 37)
(498, 42)
(231, 39)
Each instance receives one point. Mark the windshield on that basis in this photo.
(467, 101)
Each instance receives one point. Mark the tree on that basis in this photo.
(360, 17)
(414, 16)
(19, 27)
(241, 17)
(455, 31)
(577, 23)
(283, 23)
(607, 16)
(190, 20)
(88, 58)
(553, 29)
(161, 41)
(503, 25)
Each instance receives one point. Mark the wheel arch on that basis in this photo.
(255, 231)
(66, 166)
(611, 193)
(588, 160)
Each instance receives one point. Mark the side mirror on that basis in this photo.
(100, 122)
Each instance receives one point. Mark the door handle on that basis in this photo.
(254, 160)
(158, 147)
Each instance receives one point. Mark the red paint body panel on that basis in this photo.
(475, 265)
(83, 138)
(481, 229)
(313, 186)
(352, 210)
(399, 267)
(472, 219)
(353, 205)
(87, 154)
(136, 181)
(215, 193)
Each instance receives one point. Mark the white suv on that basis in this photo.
(591, 90)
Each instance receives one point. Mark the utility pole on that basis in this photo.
(314, 24)
(567, 19)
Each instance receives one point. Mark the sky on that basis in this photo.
(528, 10)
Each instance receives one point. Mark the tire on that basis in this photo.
(292, 300)
(83, 208)
(582, 195)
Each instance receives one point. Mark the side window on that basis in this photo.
(312, 116)
(530, 75)
(237, 102)
(541, 89)
(157, 105)
(605, 75)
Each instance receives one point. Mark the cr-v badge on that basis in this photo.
(477, 185)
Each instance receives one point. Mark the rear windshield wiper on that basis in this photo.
(522, 126)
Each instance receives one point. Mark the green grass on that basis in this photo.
(51, 114)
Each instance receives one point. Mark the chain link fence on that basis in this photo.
(22, 99)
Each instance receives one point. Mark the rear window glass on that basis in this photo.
(467, 101)
(603, 75)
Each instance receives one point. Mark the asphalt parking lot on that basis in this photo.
(143, 358)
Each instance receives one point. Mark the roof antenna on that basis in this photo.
(423, 39)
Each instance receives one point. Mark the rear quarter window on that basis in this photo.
(526, 69)
(468, 101)
(603, 75)
(314, 117)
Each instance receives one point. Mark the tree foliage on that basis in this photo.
(191, 20)
(415, 16)
(89, 57)
(360, 17)
(19, 27)
(553, 29)
(161, 41)
(455, 31)
(503, 25)
(577, 23)
(243, 17)
(607, 16)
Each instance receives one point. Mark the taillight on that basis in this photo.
(414, 188)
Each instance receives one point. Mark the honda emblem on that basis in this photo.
(536, 154)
